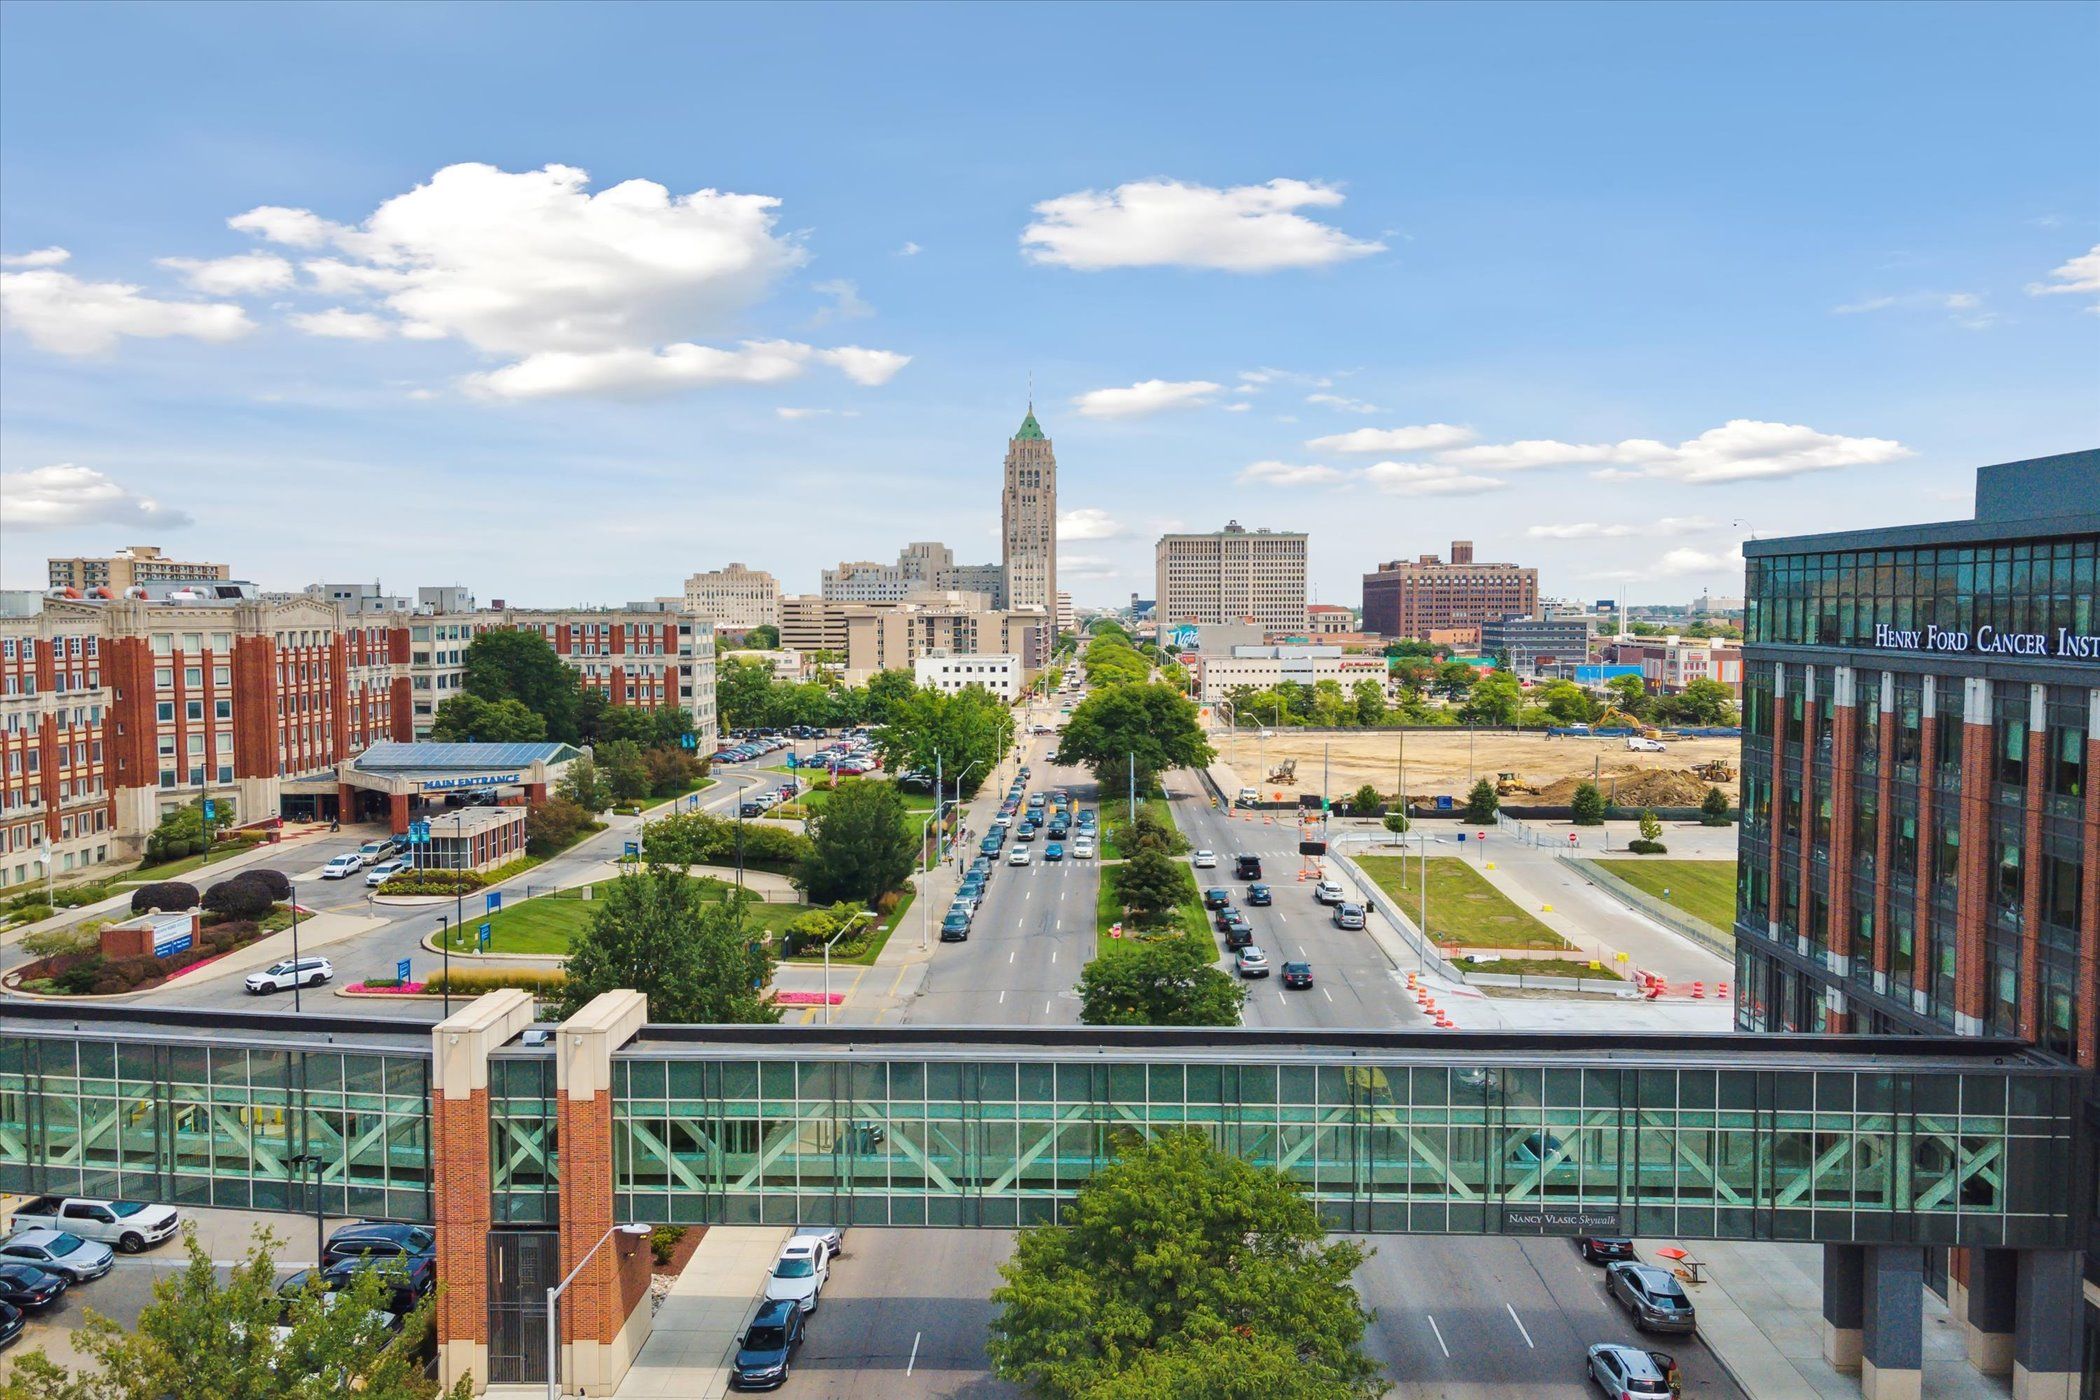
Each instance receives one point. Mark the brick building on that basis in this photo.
(1412, 599)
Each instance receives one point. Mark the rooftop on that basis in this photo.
(438, 757)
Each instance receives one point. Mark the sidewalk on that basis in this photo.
(1761, 1315)
(693, 1339)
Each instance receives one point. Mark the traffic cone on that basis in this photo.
(1721, 991)
(1698, 991)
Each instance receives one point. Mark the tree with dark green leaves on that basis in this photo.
(1144, 832)
(860, 847)
(764, 637)
(1482, 803)
(1167, 982)
(645, 726)
(180, 834)
(1700, 702)
(1567, 703)
(1364, 801)
(1587, 804)
(885, 692)
(1140, 729)
(1367, 702)
(204, 1336)
(699, 961)
(1713, 811)
(507, 663)
(1150, 886)
(468, 719)
(959, 735)
(582, 784)
(1396, 822)
(1175, 1262)
(1455, 679)
(1496, 698)
(743, 692)
(626, 771)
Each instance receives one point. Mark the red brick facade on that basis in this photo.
(459, 1131)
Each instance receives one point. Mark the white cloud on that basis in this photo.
(243, 274)
(1145, 396)
(1742, 449)
(1346, 405)
(846, 301)
(1427, 479)
(640, 373)
(1290, 474)
(42, 257)
(1253, 379)
(1088, 523)
(338, 323)
(1238, 407)
(61, 313)
(910, 250)
(1532, 452)
(1594, 530)
(1165, 223)
(1965, 309)
(1682, 563)
(50, 498)
(298, 228)
(1427, 437)
(2078, 276)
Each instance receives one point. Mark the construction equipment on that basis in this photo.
(1715, 770)
(1285, 772)
(1506, 785)
(1616, 718)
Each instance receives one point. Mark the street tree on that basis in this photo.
(506, 663)
(202, 1335)
(626, 771)
(582, 784)
(1587, 804)
(1496, 698)
(468, 719)
(860, 847)
(1364, 801)
(1171, 1259)
(1651, 825)
(1482, 803)
(699, 961)
(1133, 731)
(1150, 886)
(1164, 982)
(1396, 822)
(967, 731)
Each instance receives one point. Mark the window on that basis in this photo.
(164, 711)
(192, 677)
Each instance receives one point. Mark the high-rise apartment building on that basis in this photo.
(1410, 599)
(737, 598)
(921, 567)
(1232, 575)
(129, 567)
(1028, 520)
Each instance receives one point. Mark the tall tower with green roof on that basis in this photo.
(1028, 519)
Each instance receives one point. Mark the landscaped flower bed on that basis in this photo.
(387, 987)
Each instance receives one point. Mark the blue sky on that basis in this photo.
(365, 291)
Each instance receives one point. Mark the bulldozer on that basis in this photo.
(1715, 770)
(1285, 772)
(1507, 785)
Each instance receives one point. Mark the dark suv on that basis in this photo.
(1239, 935)
(767, 1346)
(380, 1239)
(1246, 867)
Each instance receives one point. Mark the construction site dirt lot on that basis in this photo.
(1446, 763)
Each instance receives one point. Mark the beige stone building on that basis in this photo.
(1028, 520)
(130, 567)
(736, 597)
(1232, 575)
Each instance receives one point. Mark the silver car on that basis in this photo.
(60, 1252)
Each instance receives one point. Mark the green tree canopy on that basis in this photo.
(582, 784)
(699, 961)
(1140, 729)
(626, 772)
(1455, 679)
(1367, 698)
(860, 847)
(1713, 810)
(1587, 804)
(1144, 832)
(202, 1336)
(1150, 886)
(1701, 702)
(764, 637)
(647, 726)
(507, 663)
(1567, 702)
(467, 718)
(968, 730)
(1496, 698)
(1164, 982)
(1482, 803)
(1172, 1259)
(1629, 693)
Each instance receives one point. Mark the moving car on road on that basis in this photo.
(1260, 896)
(1348, 916)
(1623, 1372)
(385, 871)
(1297, 976)
(59, 1252)
(1018, 856)
(799, 1274)
(1602, 1249)
(1206, 860)
(1251, 962)
(1083, 848)
(1329, 892)
(287, 973)
(1651, 1296)
(132, 1226)
(342, 867)
(1239, 934)
(1216, 898)
(1054, 851)
(372, 852)
(768, 1345)
(1246, 867)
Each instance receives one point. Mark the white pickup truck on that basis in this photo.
(131, 1226)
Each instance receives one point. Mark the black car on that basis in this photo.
(1260, 896)
(1297, 976)
(1216, 899)
(11, 1324)
(1240, 935)
(1651, 1296)
(751, 809)
(405, 1286)
(767, 1347)
(29, 1288)
(955, 928)
(1603, 1249)
(1246, 867)
(380, 1239)
(1226, 917)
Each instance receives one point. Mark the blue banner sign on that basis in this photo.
(401, 971)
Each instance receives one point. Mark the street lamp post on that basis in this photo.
(445, 952)
(554, 1296)
(926, 881)
(295, 946)
(862, 914)
(302, 1162)
(958, 802)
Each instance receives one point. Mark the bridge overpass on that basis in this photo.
(525, 1153)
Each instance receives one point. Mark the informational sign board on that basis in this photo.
(401, 971)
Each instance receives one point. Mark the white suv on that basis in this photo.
(342, 867)
(385, 871)
(1328, 892)
(286, 974)
(800, 1272)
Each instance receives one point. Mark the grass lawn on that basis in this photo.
(1704, 889)
(546, 924)
(1538, 967)
(1157, 806)
(173, 869)
(1463, 907)
(666, 799)
(1195, 919)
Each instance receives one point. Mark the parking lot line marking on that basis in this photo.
(1520, 1326)
(914, 1352)
(1439, 1335)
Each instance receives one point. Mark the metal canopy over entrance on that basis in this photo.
(1830, 1139)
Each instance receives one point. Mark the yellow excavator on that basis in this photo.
(1616, 718)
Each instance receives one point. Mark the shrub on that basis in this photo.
(1645, 847)
(31, 913)
(165, 896)
(381, 984)
(664, 1241)
(434, 882)
(554, 825)
(1588, 805)
(1365, 802)
(1713, 811)
(275, 881)
(474, 981)
(80, 980)
(83, 937)
(1482, 803)
(238, 898)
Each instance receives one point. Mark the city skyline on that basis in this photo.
(220, 323)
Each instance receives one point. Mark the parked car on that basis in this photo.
(1651, 1296)
(1329, 892)
(1205, 860)
(1216, 898)
(30, 1288)
(342, 867)
(1297, 976)
(286, 973)
(1260, 896)
(1054, 851)
(955, 928)
(989, 845)
(1602, 1249)
(1636, 744)
(385, 871)
(406, 1286)
(380, 1239)
(799, 1273)
(830, 1236)
(1019, 854)
(372, 852)
(11, 1324)
(1251, 962)
(132, 1226)
(1245, 867)
(1622, 1372)
(59, 1252)
(767, 1348)
(1348, 916)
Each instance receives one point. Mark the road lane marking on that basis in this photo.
(1439, 1335)
(1520, 1327)
(1014, 954)
(1002, 998)
(1046, 1008)
(914, 1352)
(1053, 957)
(1325, 993)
